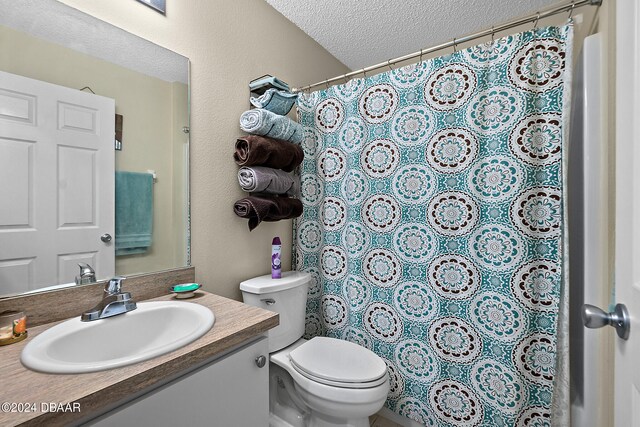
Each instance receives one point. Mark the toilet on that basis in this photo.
(319, 382)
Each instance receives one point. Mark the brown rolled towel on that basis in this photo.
(254, 150)
(267, 208)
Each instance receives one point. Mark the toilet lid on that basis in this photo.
(337, 362)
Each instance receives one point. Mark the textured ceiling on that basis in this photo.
(55, 22)
(365, 32)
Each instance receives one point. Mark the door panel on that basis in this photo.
(77, 198)
(16, 167)
(16, 272)
(19, 107)
(77, 118)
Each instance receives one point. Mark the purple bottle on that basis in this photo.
(276, 268)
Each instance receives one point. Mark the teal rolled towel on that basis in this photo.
(266, 123)
(276, 101)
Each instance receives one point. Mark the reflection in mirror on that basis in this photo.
(74, 90)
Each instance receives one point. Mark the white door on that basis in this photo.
(627, 249)
(56, 183)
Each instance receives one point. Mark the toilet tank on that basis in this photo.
(287, 296)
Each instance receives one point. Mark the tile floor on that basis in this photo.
(380, 421)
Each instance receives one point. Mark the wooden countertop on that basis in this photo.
(96, 392)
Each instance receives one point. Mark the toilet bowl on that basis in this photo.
(321, 382)
(341, 386)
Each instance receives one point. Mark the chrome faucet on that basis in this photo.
(87, 274)
(113, 303)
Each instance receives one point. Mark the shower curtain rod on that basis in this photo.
(565, 7)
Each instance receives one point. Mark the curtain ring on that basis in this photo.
(454, 45)
(364, 73)
(389, 65)
(493, 34)
(573, 5)
(535, 24)
(345, 78)
(421, 55)
(326, 84)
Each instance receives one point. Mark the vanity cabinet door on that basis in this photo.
(231, 391)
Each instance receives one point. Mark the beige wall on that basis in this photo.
(150, 107)
(229, 43)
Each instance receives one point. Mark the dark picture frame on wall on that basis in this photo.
(157, 5)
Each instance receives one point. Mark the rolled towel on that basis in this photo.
(277, 101)
(266, 208)
(254, 150)
(266, 123)
(260, 179)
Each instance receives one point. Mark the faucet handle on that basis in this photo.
(85, 269)
(87, 274)
(114, 286)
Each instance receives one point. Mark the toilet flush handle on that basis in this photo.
(261, 361)
(268, 301)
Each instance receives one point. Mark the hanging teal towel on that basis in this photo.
(134, 212)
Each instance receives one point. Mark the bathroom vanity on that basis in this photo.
(229, 390)
(211, 379)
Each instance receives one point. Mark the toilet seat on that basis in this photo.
(338, 363)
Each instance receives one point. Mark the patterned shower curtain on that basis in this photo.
(433, 227)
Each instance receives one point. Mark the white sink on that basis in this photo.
(154, 328)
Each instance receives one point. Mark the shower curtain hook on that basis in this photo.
(535, 24)
(326, 84)
(454, 45)
(389, 64)
(573, 5)
(364, 72)
(345, 79)
(493, 34)
(421, 55)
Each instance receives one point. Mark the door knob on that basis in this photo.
(106, 237)
(594, 317)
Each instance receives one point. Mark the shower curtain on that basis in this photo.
(433, 228)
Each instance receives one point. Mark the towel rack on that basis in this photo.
(153, 174)
(261, 84)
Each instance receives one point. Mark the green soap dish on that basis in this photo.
(184, 290)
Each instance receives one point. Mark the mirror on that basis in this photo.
(68, 82)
